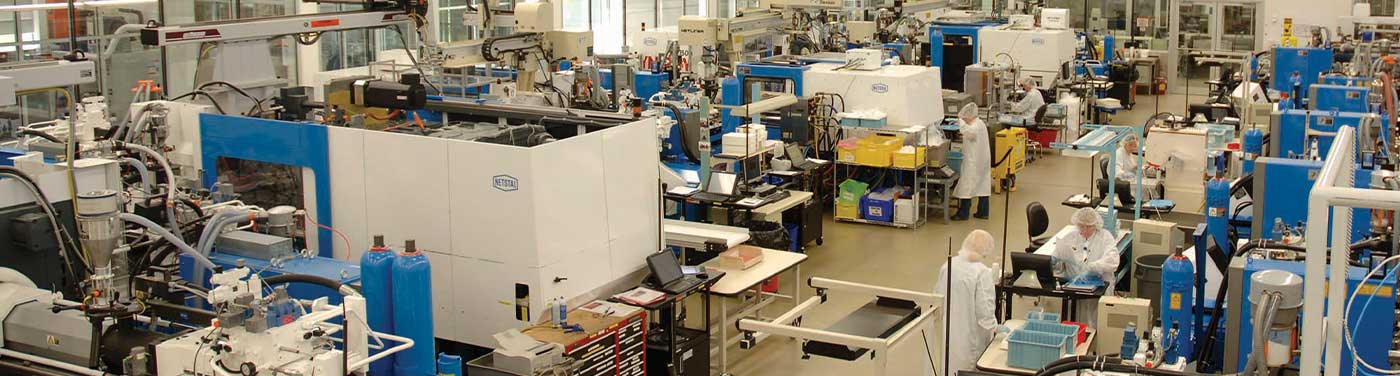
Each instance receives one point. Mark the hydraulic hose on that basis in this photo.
(311, 279)
(1103, 364)
(142, 171)
(170, 237)
(170, 182)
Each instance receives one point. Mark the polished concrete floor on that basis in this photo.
(910, 258)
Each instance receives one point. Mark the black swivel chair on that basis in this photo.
(1122, 189)
(1037, 221)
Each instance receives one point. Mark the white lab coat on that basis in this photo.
(1126, 165)
(971, 311)
(976, 174)
(1029, 104)
(1075, 256)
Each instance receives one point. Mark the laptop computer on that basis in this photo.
(798, 157)
(721, 187)
(669, 277)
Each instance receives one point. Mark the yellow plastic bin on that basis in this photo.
(909, 157)
(847, 210)
(877, 150)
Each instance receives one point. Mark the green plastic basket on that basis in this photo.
(851, 191)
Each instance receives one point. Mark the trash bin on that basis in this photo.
(1147, 270)
(771, 235)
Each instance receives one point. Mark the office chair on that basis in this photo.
(1037, 221)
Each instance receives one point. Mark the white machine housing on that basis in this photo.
(909, 95)
(1054, 18)
(1039, 51)
(44, 74)
(534, 17)
(654, 41)
(564, 218)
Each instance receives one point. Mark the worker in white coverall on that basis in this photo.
(1030, 103)
(1088, 251)
(975, 178)
(971, 302)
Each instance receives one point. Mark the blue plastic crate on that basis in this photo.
(1030, 349)
(1056, 328)
(1042, 316)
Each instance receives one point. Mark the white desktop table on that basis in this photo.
(737, 282)
(994, 357)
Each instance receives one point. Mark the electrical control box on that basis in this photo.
(861, 30)
(1115, 314)
(1054, 18)
(571, 45)
(1153, 237)
(865, 58)
(696, 31)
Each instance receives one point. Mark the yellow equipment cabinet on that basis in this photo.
(1010, 151)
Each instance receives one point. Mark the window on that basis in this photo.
(345, 49)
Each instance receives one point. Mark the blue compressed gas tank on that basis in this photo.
(413, 312)
(1178, 292)
(376, 284)
(449, 365)
(1217, 201)
(1253, 147)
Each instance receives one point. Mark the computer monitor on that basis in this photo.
(665, 267)
(794, 153)
(1041, 265)
(722, 183)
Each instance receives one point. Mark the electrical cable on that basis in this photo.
(256, 102)
(402, 39)
(206, 95)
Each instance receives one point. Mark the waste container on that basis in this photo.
(1147, 270)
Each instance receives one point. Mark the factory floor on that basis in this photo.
(910, 258)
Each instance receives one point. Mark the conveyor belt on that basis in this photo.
(880, 318)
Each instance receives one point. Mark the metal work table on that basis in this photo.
(945, 192)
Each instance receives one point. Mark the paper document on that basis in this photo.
(641, 296)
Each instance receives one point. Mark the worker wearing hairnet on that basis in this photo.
(1126, 172)
(1089, 251)
(976, 179)
(1031, 102)
(971, 302)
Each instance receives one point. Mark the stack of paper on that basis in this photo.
(641, 296)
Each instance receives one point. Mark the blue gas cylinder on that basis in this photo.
(1109, 44)
(1217, 200)
(1253, 148)
(1178, 287)
(449, 365)
(376, 284)
(413, 312)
